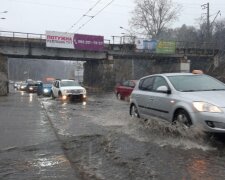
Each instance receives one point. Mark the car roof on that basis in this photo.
(65, 80)
(178, 74)
(173, 74)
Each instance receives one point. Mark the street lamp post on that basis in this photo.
(130, 34)
(133, 41)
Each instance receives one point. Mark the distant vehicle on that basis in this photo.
(187, 99)
(32, 87)
(68, 89)
(16, 85)
(124, 90)
(49, 80)
(23, 87)
(45, 90)
(29, 81)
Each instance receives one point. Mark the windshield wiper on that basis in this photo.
(189, 90)
(214, 90)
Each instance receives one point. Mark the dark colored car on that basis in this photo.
(125, 89)
(45, 90)
(33, 87)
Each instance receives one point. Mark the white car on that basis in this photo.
(68, 89)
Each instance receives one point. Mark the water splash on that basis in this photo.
(165, 134)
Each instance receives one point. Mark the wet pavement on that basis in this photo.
(97, 139)
(29, 148)
(103, 142)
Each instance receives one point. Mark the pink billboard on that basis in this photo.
(88, 42)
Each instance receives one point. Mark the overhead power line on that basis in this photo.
(95, 15)
(85, 15)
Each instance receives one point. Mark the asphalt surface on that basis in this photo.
(42, 138)
(103, 142)
(29, 148)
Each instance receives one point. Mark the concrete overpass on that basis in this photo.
(115, 63)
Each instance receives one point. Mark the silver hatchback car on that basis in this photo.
(189, 99)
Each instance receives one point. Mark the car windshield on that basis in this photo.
(69, 83)
(188, 83)
(47, 85)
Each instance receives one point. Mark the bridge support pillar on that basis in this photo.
(183, 65)
(99, 74)
(4, 89)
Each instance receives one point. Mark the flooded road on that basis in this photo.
(29, 148)
(102, 141)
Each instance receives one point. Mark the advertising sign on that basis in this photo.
(154, 46)
(148, 45)
(139, 43)
(88, 42)
(166, 47)
(59, 39)
(74, 41)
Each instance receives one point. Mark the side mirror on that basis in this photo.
(164, 89)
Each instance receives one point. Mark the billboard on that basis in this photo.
(74, 41)
(88, 42)
(154, 46)
(59, 40)
(166, 47)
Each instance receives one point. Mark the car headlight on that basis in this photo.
(46, 90)
(206, 107)
(31, 88)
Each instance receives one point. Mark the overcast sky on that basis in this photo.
(37, 16)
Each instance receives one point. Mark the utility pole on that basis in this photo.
(206, 6)
(209, 24)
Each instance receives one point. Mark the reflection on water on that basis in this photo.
(199, 169)
(49, 162)
(31, 97)
(22, 93)
(84, 103)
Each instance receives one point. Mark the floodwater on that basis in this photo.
(102, 141)
(29, 148)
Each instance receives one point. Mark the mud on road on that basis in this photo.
(102, 141)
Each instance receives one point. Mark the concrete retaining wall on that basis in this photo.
(3, 76)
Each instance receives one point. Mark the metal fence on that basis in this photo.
(22, 35)
(116, 40)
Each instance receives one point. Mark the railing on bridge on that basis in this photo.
(126, 43)
(29, 35)
(22, 35)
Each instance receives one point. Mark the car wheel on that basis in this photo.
(52, 95)
(134, 111)
(182, 118)
(60, 95)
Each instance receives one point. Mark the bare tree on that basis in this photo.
(153, 16)
(218, 35)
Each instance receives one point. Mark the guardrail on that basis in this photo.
(22, 35)
(117, 40)
(12, 34)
